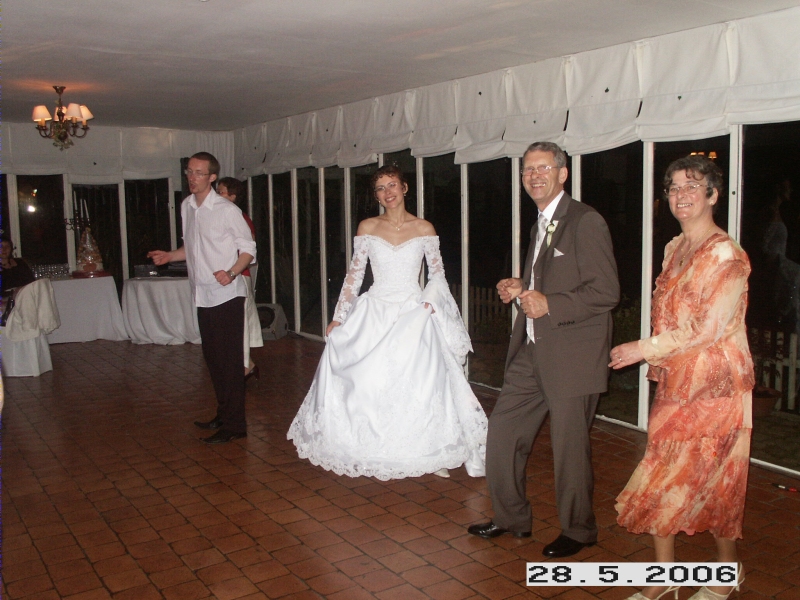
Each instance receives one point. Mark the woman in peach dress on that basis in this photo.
(693, 476)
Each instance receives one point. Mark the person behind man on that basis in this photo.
(557, 359)
(217, 247)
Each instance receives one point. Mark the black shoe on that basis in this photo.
(254, 372)
(490, 530)
(214, 423)
(223, 436)
(563, 546)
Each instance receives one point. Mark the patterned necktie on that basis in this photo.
(542, 232)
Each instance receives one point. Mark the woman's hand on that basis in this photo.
(330, 327)
(160, 257)
(427, 305)
(625, 355)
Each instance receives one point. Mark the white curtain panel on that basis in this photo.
(146, 150)
(766, 69)
(218, 143)
(435, 119)
(392, 122)
(537, 105)
(277, 140)
(327, 137)
(250, 149)
(481, 111)
(685, 80)
(358, 127)
(603, 94)
(297, 153)
(102, 160)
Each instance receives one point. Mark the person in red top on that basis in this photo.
(231, 188)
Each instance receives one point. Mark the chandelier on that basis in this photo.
(66, 124)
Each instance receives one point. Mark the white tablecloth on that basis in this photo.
(160, 310)
(89, 310)
(29, 358)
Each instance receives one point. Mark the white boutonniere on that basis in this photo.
(550, 229)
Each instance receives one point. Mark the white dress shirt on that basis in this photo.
(214, 234)
(548, 213)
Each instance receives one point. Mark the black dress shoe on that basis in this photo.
(563, 546)
(223, 436)
(254, 372)
(214, 423)
(490, 530)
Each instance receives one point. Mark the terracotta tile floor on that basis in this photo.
(107, 493)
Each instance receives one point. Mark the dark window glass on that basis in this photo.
(489, 261)
(147, 219)
(100, 204)
(362, 206)
(5, 224)
(335, 239)
(263, 282)
(665, 226)
(612, 184)
(284, 282)
(43, 236)
(442, 180)
(770, 234)
(309, 251)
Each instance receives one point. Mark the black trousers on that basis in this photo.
(222, 330)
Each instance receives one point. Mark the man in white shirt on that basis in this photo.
(218, 246)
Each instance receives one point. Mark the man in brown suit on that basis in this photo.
(557, 359)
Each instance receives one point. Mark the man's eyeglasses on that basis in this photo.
(687, 189)
(541, 170)
(389, 187)
(198, 174)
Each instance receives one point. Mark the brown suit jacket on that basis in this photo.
(578, 274)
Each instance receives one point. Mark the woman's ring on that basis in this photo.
(619, 358)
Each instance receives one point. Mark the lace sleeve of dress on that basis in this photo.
(353, 279)
(446, 313)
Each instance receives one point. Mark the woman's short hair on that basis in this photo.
(697, 167)
(234, 187)
(387, 171)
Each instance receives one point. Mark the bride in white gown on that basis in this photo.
(389, 399)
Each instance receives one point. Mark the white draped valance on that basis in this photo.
(766, 69)
(358, 127)
(684, 97)
(686, 85)
(481, 106)
(111, 154)
(603, 97)
(434, 119)
(537, 105)
(327, 137)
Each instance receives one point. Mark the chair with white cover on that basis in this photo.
(23, 341)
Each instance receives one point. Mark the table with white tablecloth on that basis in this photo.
(89, 310)
(160, 310)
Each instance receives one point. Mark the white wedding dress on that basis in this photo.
(389, 399)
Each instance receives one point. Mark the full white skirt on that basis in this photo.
(389, 399)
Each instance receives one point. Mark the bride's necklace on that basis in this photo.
(396, 227)
(693, 246)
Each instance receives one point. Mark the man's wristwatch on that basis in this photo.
(231, 274)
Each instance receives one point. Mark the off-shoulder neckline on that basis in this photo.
(401, 244)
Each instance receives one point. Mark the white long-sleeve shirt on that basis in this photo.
(214, 234)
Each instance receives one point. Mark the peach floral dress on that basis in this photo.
(693, 476)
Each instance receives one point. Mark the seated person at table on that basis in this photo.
(15, 271)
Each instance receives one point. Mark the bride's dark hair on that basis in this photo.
(387, 171)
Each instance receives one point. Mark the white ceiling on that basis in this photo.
(224, 64)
